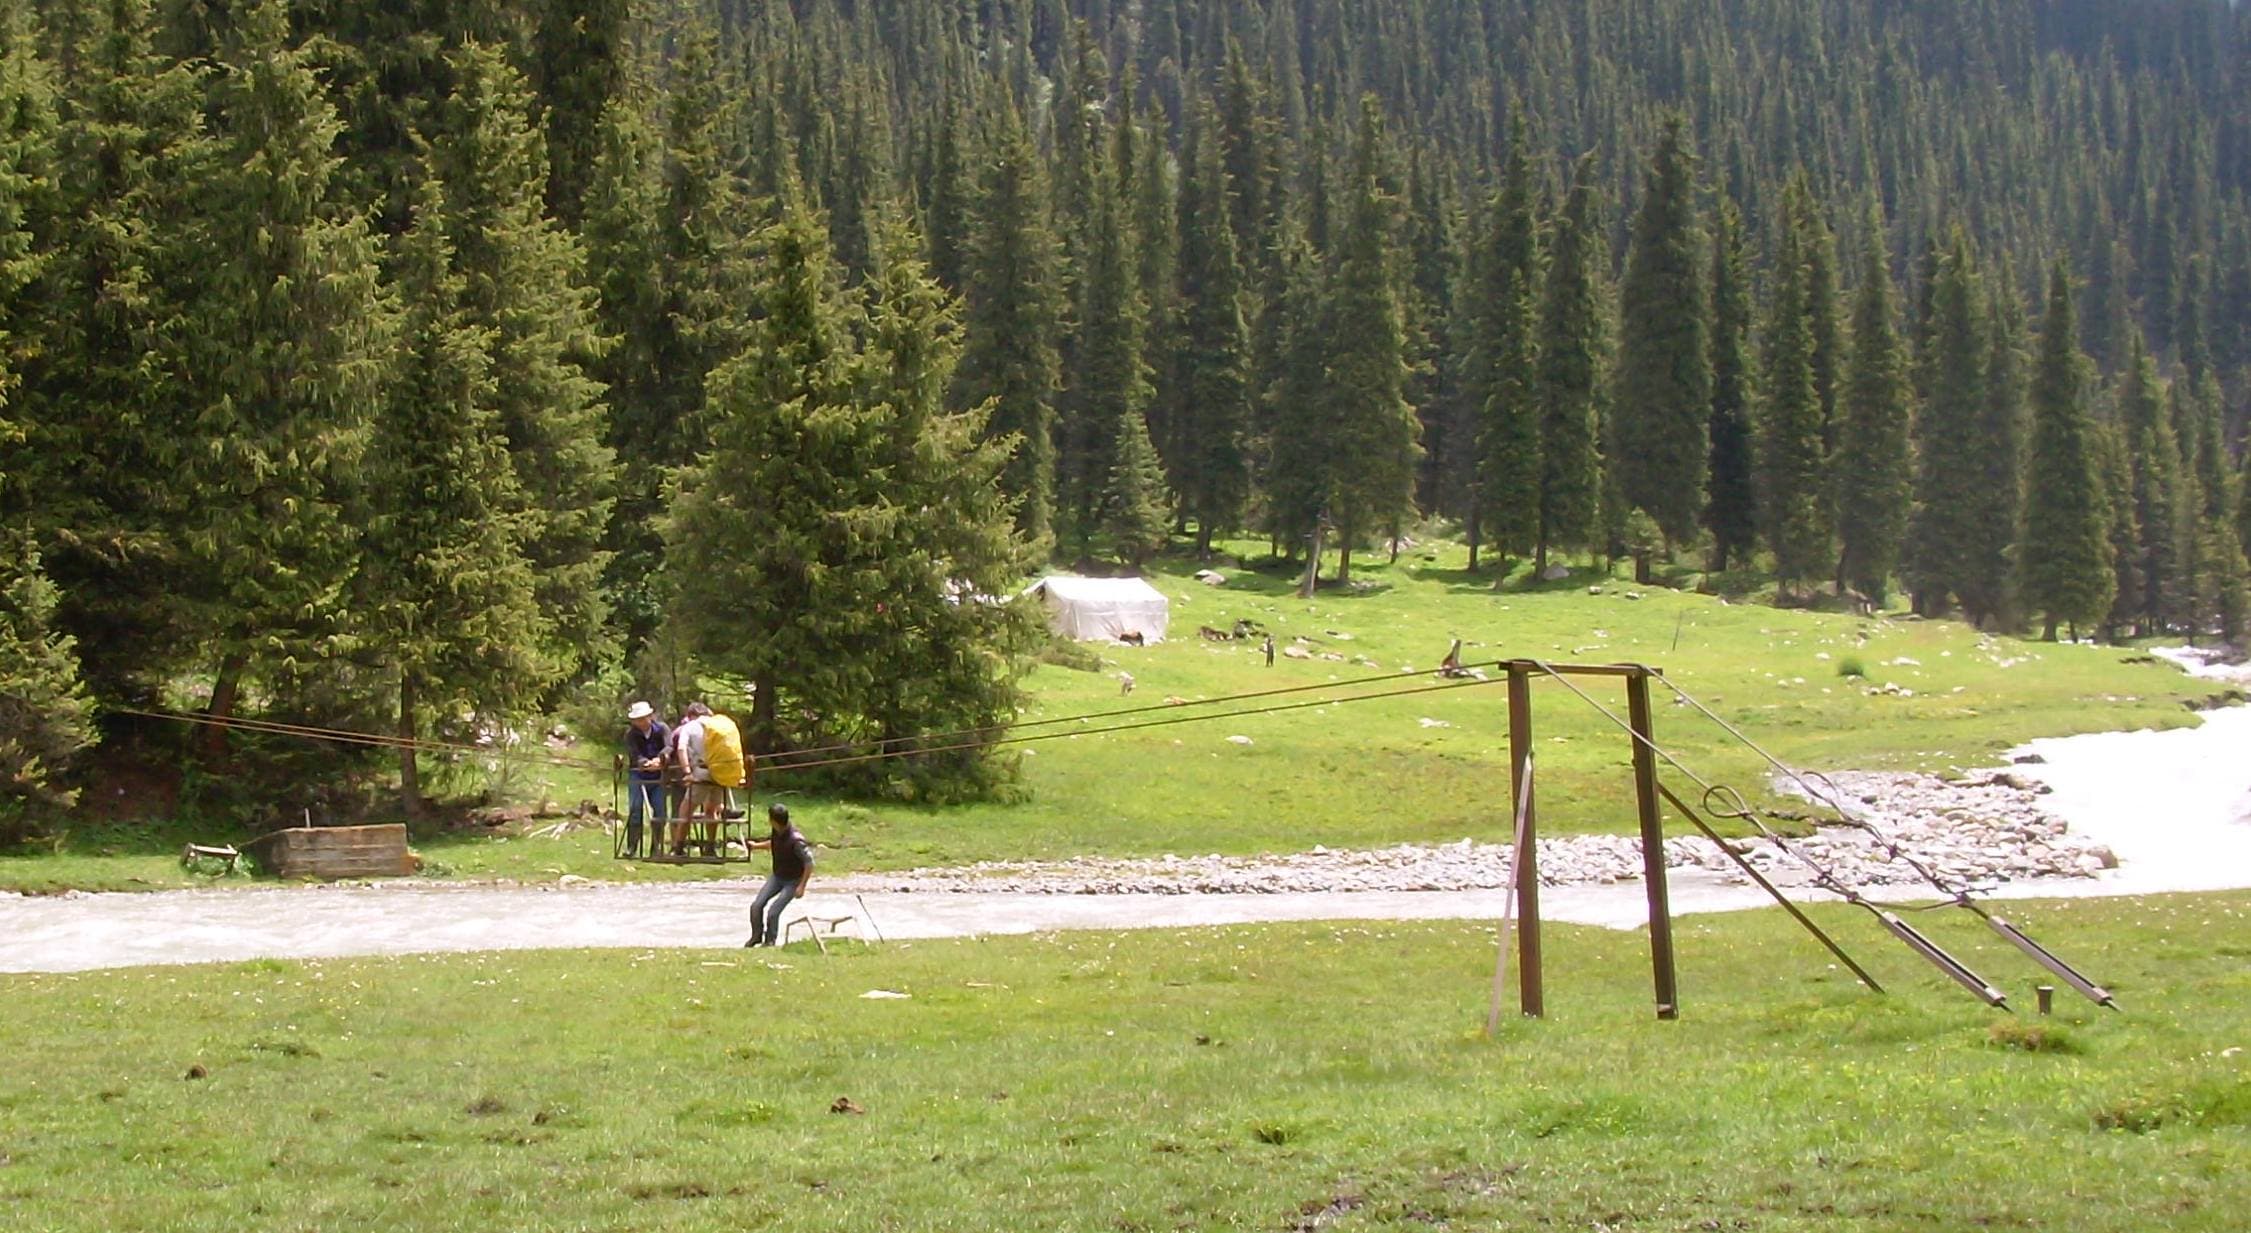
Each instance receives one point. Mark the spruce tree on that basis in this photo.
(838, 544)
(581, 56)
(2155, 462)
(1212, 361)
(117, 270)
(2204, 448)
(2243, 502)
(1940, 531)
(2115, 463)
(1156, 237)
(764, 542)
(523, 278)
(1792, 502)
(1111, 390)
(1135, 511)
(1664, 379)
(1295, 478)
(952, 656)
(445, 592)
(1731, 507)
(2231, 581)
(948, 201)
(1995, 500)
(1568, 376)
(1366, 423)
(1873, 469)
(1498, 385)
(1012, 274)
(46, 719)
(626, 270)
(285, 350)
(1825, 317)
(2065, 558)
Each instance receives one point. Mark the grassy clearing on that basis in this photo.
(1419, 769)
(1291, 1077)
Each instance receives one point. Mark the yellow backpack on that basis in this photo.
(723, 751)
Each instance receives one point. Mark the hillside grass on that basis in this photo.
(1427, 768)
(1294, 1077)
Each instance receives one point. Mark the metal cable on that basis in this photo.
(1890, 845)
(778, 762)
(1823, 876)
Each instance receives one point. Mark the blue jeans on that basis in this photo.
(638, 790)
(766, 910)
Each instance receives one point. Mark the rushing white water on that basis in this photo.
(2174, 806)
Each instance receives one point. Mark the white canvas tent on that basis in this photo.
(1103, 609)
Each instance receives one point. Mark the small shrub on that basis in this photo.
(1850, 666)
(1077, 656)
(2030, 1037)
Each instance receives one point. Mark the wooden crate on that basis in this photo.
(335, 852)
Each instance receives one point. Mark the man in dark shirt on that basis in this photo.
(645, 742)
(793, 864)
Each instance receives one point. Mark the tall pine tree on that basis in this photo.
(1012, 272)
(1941, 531)
(1664, 379)
(1568, 375)
(1793, 501)
(1211, 365)
(1367, 425)
(2066, 556)
(444, 592)
(286, 347)
(1873, 469)
(1498, 387)
(523, 278)
(1731, 506)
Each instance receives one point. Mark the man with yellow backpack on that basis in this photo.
(711, 753)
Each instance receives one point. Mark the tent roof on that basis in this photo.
(1072, 588)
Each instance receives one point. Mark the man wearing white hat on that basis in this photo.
(645, 743)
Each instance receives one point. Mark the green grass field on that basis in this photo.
(1326, 1076)
(1429, 768)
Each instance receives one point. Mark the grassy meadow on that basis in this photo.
(1321, 1076)
(1427, 768)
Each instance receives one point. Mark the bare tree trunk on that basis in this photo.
(410, 771)
(226, 691)
(762, 712)
(1474, 520)
(1344, 561)
(1312, 578)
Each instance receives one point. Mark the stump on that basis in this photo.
(332, 852)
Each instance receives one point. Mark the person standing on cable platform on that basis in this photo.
(645, 743)
(793, 864)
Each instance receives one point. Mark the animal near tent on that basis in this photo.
(1103, 609)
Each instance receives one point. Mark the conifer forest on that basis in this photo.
(416, 367)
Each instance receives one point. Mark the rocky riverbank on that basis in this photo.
(1984, 829)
